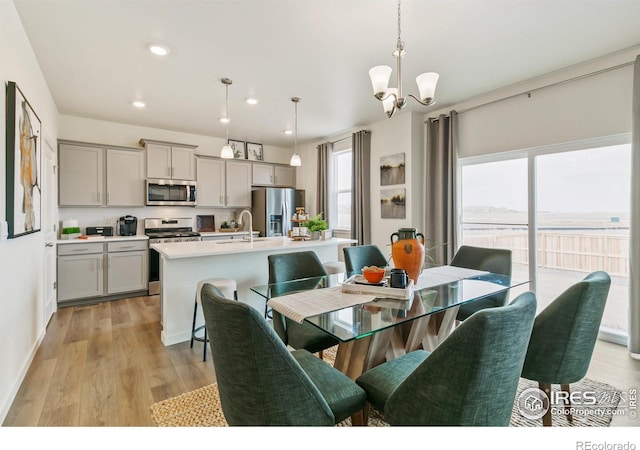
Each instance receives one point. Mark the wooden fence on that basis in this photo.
(579, 252)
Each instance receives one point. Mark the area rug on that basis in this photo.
(201, 407)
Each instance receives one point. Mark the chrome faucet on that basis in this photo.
(246, 211)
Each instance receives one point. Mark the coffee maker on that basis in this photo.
(128, 225)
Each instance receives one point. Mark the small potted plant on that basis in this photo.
(315, 225)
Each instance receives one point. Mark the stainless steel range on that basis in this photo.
(165, 231)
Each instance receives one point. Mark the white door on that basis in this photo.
(211, 182)
(125, 177)
(49, 228)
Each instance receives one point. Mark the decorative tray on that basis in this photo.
(228, 230)
(358, 285)
(300, 238)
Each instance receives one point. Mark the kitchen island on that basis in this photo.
(184, 264)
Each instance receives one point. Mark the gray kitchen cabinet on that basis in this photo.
(170, 161)
(284, 176)
(125, 178)
(96, 175)
(238, 184)
(90, 271)
(81, 169)
(265, 174)
(211, 176)
(80, 271)
(126, 266)
(262, 174)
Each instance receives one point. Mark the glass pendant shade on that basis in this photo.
(427, 86)
(295, 160)
(380, 78)
(227, 152)
(389, 102)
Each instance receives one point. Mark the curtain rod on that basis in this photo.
(528, 92)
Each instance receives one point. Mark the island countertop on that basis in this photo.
(213, 248)
(185, 264)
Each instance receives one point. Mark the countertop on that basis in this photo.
(196, 249)
(138, 237)
(224, 233)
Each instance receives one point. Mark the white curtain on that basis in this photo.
(634, 232)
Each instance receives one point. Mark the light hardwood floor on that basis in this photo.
(104, 365)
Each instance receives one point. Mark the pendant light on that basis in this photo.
(227, 151)
(392, 98)
(295, 159)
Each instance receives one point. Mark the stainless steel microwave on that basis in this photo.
(171, 192)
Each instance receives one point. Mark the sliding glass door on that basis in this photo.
(570, 204)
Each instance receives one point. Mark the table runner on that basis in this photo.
(301, 305)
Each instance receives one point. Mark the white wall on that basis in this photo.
(21, 260)
(403, 133)
(565, 111)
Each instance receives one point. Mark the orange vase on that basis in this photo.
(407, 251)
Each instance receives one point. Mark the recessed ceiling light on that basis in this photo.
(139, 104)
(158, 49)
(288, 132)
(225, 120)
(252, 101)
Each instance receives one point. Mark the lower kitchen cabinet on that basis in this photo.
(90, 271)
(80, 276)
(126, 267)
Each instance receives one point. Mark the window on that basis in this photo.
(580, 223)
(341, 186)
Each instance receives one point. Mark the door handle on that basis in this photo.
(49, 244)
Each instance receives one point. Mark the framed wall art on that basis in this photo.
(239, 149)
(254, 151)
(393, 203)
(23, 144)
(392, 169)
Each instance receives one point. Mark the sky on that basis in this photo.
(577, 181)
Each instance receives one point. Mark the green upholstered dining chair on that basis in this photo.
(294, 266)
(564, 336)
(261, 383)
(471, 379)
(355, 258)
(495, 260)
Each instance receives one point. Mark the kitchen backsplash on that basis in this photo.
(96, 217)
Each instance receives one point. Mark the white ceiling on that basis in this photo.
(93, 55)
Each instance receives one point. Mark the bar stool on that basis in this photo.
(334, 267)
(228, 289)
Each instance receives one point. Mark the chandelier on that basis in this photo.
(227, 151)
(295, 158)
(392, 98)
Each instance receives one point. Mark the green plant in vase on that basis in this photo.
(315, 225)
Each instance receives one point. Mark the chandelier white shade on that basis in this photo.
(295, 158)
(392, 98)
(227, 151)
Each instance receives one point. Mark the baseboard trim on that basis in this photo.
(7, 402)
(613, 336)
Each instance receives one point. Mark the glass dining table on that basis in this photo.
(386, 328)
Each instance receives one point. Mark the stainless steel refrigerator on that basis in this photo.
(272, 209)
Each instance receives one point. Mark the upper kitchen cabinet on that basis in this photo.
(264, 174)
(170, 161)
(223, 184)
(284, 176)
(211, 182)
(96, 175)
(238, 184)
